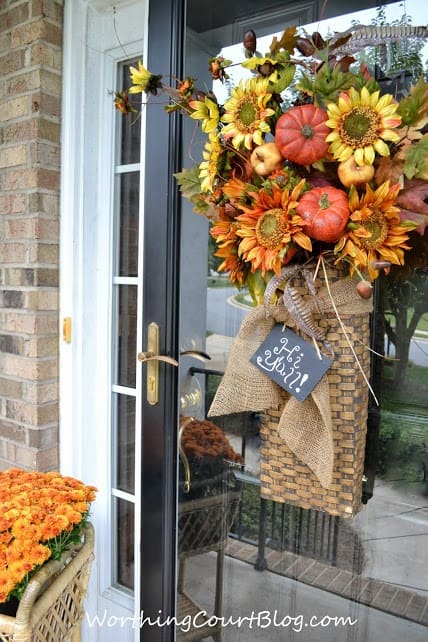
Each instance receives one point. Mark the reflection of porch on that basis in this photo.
(383, 577)
(389, 596)
(306, 591)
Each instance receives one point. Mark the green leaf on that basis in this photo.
(284, 78)
(327, 84)
(416, 159)
(414, 107)
(188, 182)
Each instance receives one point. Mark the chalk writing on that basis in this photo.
(290, 361)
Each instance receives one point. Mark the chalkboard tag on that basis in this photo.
(290, 361)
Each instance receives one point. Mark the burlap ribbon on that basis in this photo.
(306, 426)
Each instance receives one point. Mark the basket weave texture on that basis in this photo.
(51, 608)
(204, 523)
(283, 477)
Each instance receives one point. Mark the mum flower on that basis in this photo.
(375, 232)
(361, 123)
(46, 518)
(270, 228)
(247, 114)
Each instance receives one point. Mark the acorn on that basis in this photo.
(250, 43)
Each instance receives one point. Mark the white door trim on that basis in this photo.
(91, 51)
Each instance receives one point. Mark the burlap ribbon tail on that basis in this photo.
(306, 426)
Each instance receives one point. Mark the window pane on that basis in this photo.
(127, 333)
(128, 223)
(125, 442)
(130, 125)
(124, 543)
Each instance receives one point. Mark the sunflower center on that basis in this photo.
(360, 127)
(246, 113)
(378, 227)
(270, 229)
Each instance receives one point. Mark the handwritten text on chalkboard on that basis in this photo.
(290, 361)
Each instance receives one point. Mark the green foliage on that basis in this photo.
(416, 159)
(190, 186)
(327, 84)
(414, 107)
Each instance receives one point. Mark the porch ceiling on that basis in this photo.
(211, 15)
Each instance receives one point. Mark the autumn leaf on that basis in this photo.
(416, 159)
(413, 109)
(188, 182)
(288, 41)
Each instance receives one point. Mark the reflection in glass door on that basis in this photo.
(268, 570)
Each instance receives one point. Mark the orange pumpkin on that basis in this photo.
(300, 134)
(325, 211)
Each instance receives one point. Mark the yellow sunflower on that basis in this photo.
(247, 114)
(270, 228)
(361, 123)
(209, 168)
(143, 80)
(376, 231)
(207, 111)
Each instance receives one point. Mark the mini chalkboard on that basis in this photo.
(290, 361)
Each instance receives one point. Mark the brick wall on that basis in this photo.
(30, 90)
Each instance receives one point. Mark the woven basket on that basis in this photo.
(51, 608)
(284, 478)
(204, 523)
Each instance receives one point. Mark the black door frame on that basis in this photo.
(161, 305)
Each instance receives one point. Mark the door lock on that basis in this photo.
(152, 357)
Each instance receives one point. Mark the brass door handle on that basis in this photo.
(152, 357)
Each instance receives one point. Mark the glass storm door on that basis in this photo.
(225, 563)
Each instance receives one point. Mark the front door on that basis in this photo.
(228, 563)
(174, 541)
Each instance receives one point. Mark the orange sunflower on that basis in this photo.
(376, 231)
(224, 233)
(270, 228)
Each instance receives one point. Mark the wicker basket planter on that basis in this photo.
(51, 608)
(283, 476)
(205, 521)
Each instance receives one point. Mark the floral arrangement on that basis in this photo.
(41, 516)
(338, 168)
(202, 438)
(206, 457)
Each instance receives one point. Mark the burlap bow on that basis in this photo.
(306, 426)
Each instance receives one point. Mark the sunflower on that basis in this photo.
(270, 227)
(361, 123)
(224, 233)
(210, 168)
(207, 111)
(247, 114)
(143, 80)
(375, 232)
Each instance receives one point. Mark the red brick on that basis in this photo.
(14, 16)
(47, 104)
(47, 8)
(45, 154)
(12, 61)
(18, 179)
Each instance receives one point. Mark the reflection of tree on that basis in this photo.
(406, 300)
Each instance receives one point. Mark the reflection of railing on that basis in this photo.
(263, 522)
